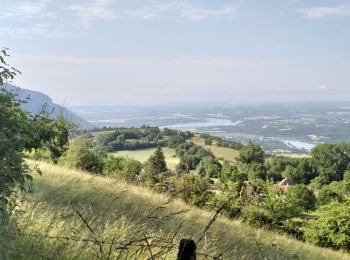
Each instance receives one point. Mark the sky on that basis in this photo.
(132, 52)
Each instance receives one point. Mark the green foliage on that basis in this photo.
(156, 163)
(331, 160)
(255, 171)
(7, 73)
(60, 140)
(299, 171)
(16, 135)
(209, 166)
(118, 139)
(274, 168)
(193, 189)
(251, 153)
(303, 196)
(154, 168)
(80, 155)
(280, 205)
(228, 199)
(229, 144)
(256, 216)
(230, 172)
(318, 182)
(19, 132)
(122, 167)
(190, 156)
(329, 193)
(331, 228)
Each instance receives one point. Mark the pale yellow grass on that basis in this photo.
(59, 186)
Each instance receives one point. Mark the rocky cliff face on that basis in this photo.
(35, 101)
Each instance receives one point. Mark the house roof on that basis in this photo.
(286, 182)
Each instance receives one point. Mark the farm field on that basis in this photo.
(143, 155)
(126, 210)
(227, 154)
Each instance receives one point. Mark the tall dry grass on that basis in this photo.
(127, 210)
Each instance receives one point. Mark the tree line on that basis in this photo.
(314, 209)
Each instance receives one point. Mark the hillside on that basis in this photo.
(219, 152)
(36, 101)
(143, 155)
(59, 190)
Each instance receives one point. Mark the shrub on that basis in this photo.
(227, 198)
(209, 166)
(303, 196)
(122, 167)
(332, 228)
(81, 156)
(330, 193)
(251, 153)
(193, 189)
(294, 228)
(280, 205)
(256, 217)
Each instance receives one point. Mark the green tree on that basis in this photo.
(19, 132)
(193, 189)
(230, 173)
(209, 166)
(300, 171)
(331, 160)
(255, 171)
(251, 153)
(122, 167)
(157, 163)
(154, 168)
(80, 155)
(60, 141)
(332, 192)
(280, 205)
(331, 228)
(303, 196)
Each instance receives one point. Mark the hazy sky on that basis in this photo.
(103, 52)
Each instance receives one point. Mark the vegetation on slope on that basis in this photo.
(221, 152)
(143, 155)
(122, 209)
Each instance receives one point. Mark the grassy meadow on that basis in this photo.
(143, 155)
(96, 211)
(225, 153)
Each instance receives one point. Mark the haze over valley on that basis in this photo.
(175, 129)
(278, 128)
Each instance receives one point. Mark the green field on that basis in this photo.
(227, 154)
(143, 155)
(121, 212)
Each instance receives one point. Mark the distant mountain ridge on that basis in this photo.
(37, 100)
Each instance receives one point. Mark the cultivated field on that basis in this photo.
(112, 210)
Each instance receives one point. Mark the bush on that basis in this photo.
(122, 167)
(256, 217)
(294, 228)
(280, 205)
(209, 166)
(303, 196)
(193, 189)
(329, 193)
(332, 228)
(229, 198)
(81, 156)
(251, 153)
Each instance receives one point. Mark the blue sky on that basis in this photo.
(110, 52)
